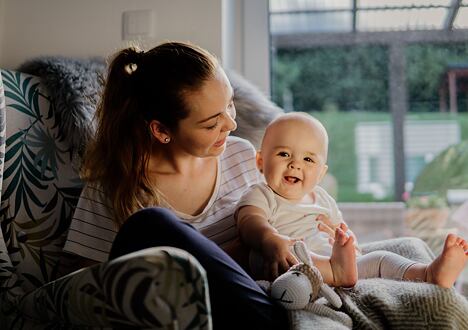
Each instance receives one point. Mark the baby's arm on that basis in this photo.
(258, 234)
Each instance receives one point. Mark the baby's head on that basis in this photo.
(293, 155)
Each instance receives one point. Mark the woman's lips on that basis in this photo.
(220, 143)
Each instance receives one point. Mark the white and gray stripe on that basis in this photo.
(92, 230)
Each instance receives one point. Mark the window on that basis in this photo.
(388, 80)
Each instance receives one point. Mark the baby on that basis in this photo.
(291, 206)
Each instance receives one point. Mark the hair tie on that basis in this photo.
(134, 60)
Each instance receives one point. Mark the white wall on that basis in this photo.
(246, 40)
(94, 27)
(2, 15)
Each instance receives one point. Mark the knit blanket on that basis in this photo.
(387, 304)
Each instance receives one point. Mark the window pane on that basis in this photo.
(461, 21)
(404, 19)
(311, 22)
(438, 114)
(390, 3)
(280, 5)
(344, 87)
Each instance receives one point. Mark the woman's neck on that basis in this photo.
(176, 163)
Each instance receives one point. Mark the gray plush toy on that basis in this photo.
(301, 287)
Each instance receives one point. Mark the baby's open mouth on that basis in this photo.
(291, 179)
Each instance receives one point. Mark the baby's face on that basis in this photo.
(293, 157)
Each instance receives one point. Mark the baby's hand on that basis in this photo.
(277, 255)
(326, 225)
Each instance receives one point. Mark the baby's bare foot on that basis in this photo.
(343, 259)
(444, 270)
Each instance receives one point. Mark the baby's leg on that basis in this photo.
(383, 264)
(443, 271)
(340, 269)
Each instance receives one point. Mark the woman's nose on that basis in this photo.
(230, 123)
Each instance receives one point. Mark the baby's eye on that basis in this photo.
(283, 154)
(309, 160)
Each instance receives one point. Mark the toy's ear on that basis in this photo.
(330, 295)
(300, 250)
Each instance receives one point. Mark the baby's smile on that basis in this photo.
(291, 179)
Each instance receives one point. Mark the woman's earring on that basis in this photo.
(166, 140)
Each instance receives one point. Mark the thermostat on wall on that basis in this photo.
(137, 24)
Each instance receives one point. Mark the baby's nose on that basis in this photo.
(294, 165)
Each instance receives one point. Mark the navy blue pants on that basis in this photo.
(237, 302)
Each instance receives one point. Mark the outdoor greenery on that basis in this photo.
(356, 78)
(446, 171)
(342, 86)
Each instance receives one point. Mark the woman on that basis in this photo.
(163, 140)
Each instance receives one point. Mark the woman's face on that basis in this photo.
(211, 118)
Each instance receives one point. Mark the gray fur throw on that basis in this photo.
(254, 109)
(75, 86)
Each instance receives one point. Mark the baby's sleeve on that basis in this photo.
(256, 196)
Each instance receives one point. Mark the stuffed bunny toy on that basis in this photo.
(302, 285)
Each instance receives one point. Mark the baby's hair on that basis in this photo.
(300, 116)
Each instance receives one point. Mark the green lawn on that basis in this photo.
(342, 158)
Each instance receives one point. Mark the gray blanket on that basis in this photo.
(387, 304)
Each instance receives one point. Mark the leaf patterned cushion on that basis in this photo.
(162, 288)
(40, 189)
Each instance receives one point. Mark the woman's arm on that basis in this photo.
(257, 233)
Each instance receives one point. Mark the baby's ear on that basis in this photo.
(324, 171)
(259, 161)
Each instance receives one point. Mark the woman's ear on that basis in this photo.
(259, 161)
(160, 132)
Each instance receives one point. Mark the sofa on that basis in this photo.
(163, 288)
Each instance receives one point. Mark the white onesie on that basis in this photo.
(295, 220)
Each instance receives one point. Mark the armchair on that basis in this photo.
(153, 288)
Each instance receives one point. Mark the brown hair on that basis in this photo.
(140, 87)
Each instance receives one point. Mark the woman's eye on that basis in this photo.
(213, 126)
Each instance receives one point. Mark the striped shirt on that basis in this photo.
(92, 230)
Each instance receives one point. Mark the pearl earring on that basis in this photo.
(166, 140)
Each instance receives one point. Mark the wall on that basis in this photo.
(2, 15)
(94, 27)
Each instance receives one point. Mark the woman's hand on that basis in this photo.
(275, 249)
